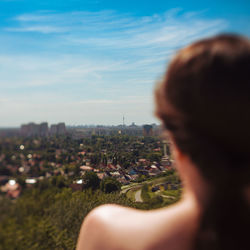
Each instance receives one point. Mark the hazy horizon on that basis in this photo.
(79, 125)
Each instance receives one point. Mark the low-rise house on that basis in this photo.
(134, 177)
(115, 174)
(132, 172)
(123, 180)
(82, 153)
(142, 161)
(86, 168)
(154, 169)
(101, 175)
(127, 177)
(118, 167)
(12, 189)
(87, 162)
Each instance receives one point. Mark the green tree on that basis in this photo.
(154, 156)
(58, 181)
(21, 181)
(109, 185)
(144, 193)
(91, 180)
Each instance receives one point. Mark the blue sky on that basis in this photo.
(93, 61)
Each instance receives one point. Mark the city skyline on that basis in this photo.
(18, 126)
(97, 61)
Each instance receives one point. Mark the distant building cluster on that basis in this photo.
(42, 129)
(79, 132)
(58, 129)
(147, 130)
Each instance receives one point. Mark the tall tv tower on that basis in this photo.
(123, 121)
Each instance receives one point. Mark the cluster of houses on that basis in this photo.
(143, 167)
(34, 166)
(125, 176)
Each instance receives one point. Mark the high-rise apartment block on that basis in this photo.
(42, 129)
(147, 130)
(58, 129)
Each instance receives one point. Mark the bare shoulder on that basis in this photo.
(104, 226)
(117, 227)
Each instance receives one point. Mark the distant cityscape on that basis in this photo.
(35, 152)
(44, 130)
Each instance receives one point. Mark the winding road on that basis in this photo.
(138, 196)
(137, 187)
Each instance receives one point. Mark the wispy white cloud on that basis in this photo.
(31, 70)
(36, 28)
(90, 67)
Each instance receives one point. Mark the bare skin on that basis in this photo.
(115, 227)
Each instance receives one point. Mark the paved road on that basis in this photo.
(138, 186)
(158, 181)
(138, 196)
(168, 196)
